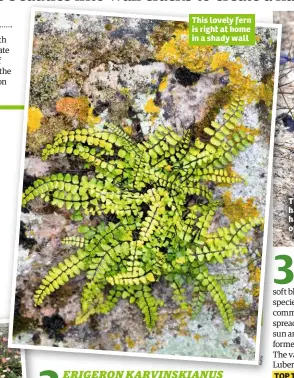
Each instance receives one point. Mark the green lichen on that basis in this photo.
(206, 59)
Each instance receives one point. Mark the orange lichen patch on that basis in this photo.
(163, 84)
(178, 51)
(74, 107)
(239, 209)
(197, 337)
(130, 343)
(150, 107)
(254, 277)
(35, 117)
(92, 120)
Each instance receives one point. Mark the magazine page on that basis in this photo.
(141, 236)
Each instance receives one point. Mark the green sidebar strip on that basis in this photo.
(11, 107)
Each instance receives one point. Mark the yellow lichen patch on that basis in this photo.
(130, 343)
(150, 107)
(244, 87)
(164, 31)
(240, 304)
(92, 120)
(255, 291)
(117, 347)
(257, 38)
(34, 119)
(197, 337)
(219, 61)
(156, 346)
(49, 127)
(182, 316)
(231, 172)
(74, 107)
(266, 91)
(248, 130)
(254, 273)
(162, 319)
(128, 130)
(254, 277)
(238, 209)
(163, 84)
(179, 314)
(125, 92)
(183, 329)
(178, 51)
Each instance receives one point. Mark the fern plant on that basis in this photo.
(159, 194)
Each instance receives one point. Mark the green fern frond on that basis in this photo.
(147, 303)
(61, 274)
(160, 194)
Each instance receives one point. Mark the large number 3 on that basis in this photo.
(49, 373)
(286, 269)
